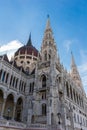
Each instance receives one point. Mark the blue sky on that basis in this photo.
(68, 20)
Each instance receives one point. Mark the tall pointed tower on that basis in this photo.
(46, 91)
(74, 72)
(48, 48)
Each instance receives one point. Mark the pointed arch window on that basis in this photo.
(49, 54)
(44, 109)
(45, 56)
(3, 77)
(67, 89)
(74, 96)
(43, 81)
(7, 78)
(71, 92)
(1, 73)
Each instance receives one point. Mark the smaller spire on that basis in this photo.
(74, 70)
(72, 60)
(29, 43)
(48, 22)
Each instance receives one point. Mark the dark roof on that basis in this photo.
(28, 50)
(4, 57)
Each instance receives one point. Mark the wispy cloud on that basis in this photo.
(10, 48)
(83, 56)
(83, 67)
(67, 44)
(83, 72)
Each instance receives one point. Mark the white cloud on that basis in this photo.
(67, 44)
(83, 72)
(10, 48)
(83, 55)
(83, 68)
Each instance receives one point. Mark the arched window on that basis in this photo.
(7, 78)
(77, 98)
(1, 100)
(74, 95)
(19, 108)
(44, 109)
(0, 74)
(24, 87)
(59, 80)
(44, 95)
(67, 89)
(11, 79)
(31, 88)
(45, 56)
(49, 54)
(16, 83)
(13, 82)
(3, 77)
(9, 107)
(71, 92)
(20, 85)
(43, 81)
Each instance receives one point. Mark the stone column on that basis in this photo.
(14, 111)
(23, 110)
(29, 117)
(3, 107)
(2, 75)
(8, 82)
(5, 77)
(18, 84)
(49, 112)
(14, 82)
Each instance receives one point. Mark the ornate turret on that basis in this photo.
(48, 49)
(74, 71)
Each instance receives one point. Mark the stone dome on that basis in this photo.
(27, 49)
(26, 56)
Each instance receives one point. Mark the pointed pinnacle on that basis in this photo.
(29, 43)
(48, 22)
(72, 60)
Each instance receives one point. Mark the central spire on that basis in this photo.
(29, 43)
(48, 49)
(48, 23)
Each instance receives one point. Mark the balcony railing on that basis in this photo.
(9, 123)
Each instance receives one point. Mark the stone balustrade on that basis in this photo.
(14, 124)
(37, 126)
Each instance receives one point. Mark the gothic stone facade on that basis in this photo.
(42, 93)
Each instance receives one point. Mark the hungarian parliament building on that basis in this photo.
(37, 92)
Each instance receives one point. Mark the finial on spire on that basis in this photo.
(48, 22)
(48, 16)
(29, 43)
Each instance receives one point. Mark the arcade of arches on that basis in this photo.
(9, 109)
